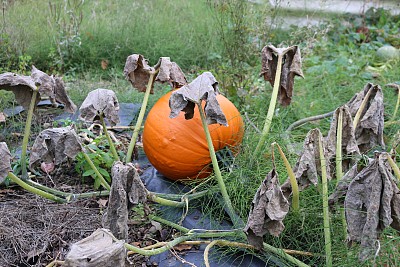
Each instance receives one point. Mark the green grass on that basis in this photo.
(333, 64)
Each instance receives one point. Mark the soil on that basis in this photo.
(35, 231)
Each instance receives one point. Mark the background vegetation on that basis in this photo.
(88, 41)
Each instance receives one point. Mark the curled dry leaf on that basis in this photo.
(268, 209)
(369, 130)
(372, 203)
(137, 71)
(170, 72)
(100, 102)
(291, 67)
(308, 165)
(204, 87)
(350, 149)
(54, 146)
(5, 163)
(126, 188)
(98, 249)
(23, 86)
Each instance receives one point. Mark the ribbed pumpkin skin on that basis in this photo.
(178, 149)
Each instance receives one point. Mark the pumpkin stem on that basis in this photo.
(141, 116)
(27, 133)
(272, 104)
(110, 142)
(35, 190)
(292, 178)
(231, 212)
(327, 228)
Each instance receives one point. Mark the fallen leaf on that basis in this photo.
(183, 247)
(5, 162)
(54, 145)
(204, 87)
(268, 209)
(102, 202)
(98, 249)
(100, 102)
(104, 64)
(291, 66)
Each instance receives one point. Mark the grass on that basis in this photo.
(333, 65)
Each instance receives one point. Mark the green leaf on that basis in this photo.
(88, 172)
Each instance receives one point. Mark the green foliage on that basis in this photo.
(103, 160)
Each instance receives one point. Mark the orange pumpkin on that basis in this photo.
(178, 149)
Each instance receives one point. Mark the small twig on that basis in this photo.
(55, 263)
(251, 123)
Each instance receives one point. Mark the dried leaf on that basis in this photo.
(137, 70)
(170, 72)
(369, 130)
(308, 166)
(350, 150)
(204, 87)
(5, 163)
(126, 187)
(291, 67)
(62, 96)
(268, 209)
(54, 145)
(21, 86)
(100, 102)
(98, 249)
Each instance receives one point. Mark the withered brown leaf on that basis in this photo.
(170, 72)
(369, 130)
(5, 163)
(22, 87)
(268, 209)
(98, 249)
(291, 66)
(204, 87)
(136, 71)
(371, 203)
(54, 145)
(308, 165)
(126, 188)
(350, 151)
(100, 102)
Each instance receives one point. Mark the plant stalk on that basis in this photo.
(96, 171)
(394, 167)
(361, 109)
(110, 142)
(27, 132)
(327, 229)
(140, 116)
(34, 190)
(217, 171)
(272, 104)
(292, 177)
(397, 106)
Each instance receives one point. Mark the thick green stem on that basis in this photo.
(27, 132)
(397, 106)
(140, 117)
(361, 109)
(327, 229)
(190, 196)
(67, 196)
(338, 160)
(272, 104)
(292, 178)
(284, 255)
(34, 190)
(110, 142)
(217, 171)
(103, 182)
(163, 201)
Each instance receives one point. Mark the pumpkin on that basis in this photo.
(177, 147)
